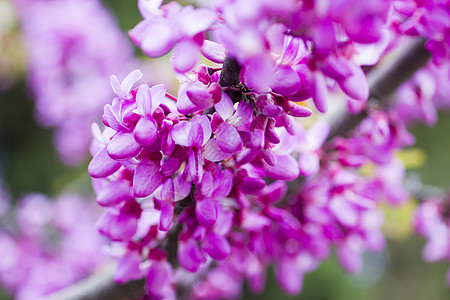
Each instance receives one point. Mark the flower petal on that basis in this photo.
(252, 185)
(102, 165)
(145, 132)
(216, 246)
(190, 255)
(166, 218)
(225, 107)
(114, 193)
(286, 168)
(180, 133)
(206, 212)
(130, 80)
(123, 146)
(200, 97)
(212, 152)
(215, 52)
(155, 37)
(319, 91)
(185, 55)
(356, 85)
(228, 138)
(146, 178)
(144, 100)
(194, 21)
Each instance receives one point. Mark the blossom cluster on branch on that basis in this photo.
(47, 244)
(72, 47)
(195, 186)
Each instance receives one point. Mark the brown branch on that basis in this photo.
(229, 77)
(383, 81)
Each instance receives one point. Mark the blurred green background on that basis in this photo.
(29, 164)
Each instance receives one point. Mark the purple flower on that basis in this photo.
(65, 43)
(171, 26)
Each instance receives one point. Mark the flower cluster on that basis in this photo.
(432, 220)
(419, 98)
(73, 46)
(50, 246)
(204, 176)
(195, 187)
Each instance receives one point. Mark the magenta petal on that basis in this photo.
(350, 260)
(243, 115)
(182, 188)
(114, 193)
(269, 157)
(158, 277)
(168, 191)
(259, 72)
(115, 84)
(117, 228)
(207, 184)
(216, 246)
(289, 276)
(180, 133)
(206, 212)
(317, 134)
(194, 21)
(129, 268)
(144, 100)
(222, 185)
(274, 192)
(190, 255)
(246, 155)
(111, 118)
(184, 105)
(213, 153)
(158, 93)
(123, 146)
(285, 80)
(344, 211)
(173, 163)
(215, 52)
(251, 185)
(308, 164)
(356, 85)
(299, 111)
(200, 131)
(195, 137)
(155, 37)
(257, 139)
(225, 107)
(145, 132)
(185, 55)
(166, 218)
(200, 97)
(194, 168)
(102, 165)
(146, 179)
(319, 91)
(336, 68)
(285, 169)
(228, 138)
(130, 80)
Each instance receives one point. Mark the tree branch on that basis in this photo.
(383, 81)
(230, 77)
